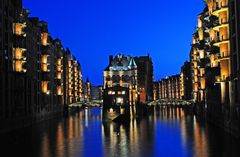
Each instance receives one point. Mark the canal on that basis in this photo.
(164, 133)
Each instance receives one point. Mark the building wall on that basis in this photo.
(32, 78)
(96, 92)
(9, 80)
(156, 91)
(235, 51)
(123, 75)
(88, 90)
(234, 87)
(169, 88)
(210, 54)
(145, 77)
(186, 81)
(214, 61)
(73, 86)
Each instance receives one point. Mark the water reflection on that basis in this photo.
(164, 132)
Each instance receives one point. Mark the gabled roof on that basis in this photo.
(121, 63)
(132, 63)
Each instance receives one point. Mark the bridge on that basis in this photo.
(170, 102)
(92, 103)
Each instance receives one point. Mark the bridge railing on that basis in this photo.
(170, 102)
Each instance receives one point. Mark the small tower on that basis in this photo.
(88, 90)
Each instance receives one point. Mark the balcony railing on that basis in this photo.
(221, 23)
(222, 78)
(224, 55)
(220, 6)
(222, 38)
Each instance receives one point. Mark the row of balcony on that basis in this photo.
(222, 6)
(222, 78)
(223, 56)
(223, 22)
(19, 60)
(221, 39)
(19, 56)
(45, 89)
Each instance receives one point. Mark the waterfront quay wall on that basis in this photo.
(223, 116)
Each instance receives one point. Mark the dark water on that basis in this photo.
(163, 133)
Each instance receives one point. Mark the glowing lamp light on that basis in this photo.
(111, 110)
(119, 100)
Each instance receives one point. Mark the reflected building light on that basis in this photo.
(60, 141)
(201, 144)
(70, 128)
(122, 111)
(184, 132)
(86, 117)
(45, 146)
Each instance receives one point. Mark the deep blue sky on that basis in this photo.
(94, 29)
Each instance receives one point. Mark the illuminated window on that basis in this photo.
(18, 29)
(59, 90)
(18, 53)
(59, 62)
(18, 66)
(45, 87)
(44, 59)
(59, 68)
(119, 100)
(59, 75)
(45, 39)
(201, 54)
(44, 67)
(70, 93)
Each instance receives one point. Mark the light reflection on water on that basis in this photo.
(165, 132)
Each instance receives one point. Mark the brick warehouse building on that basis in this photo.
(33, 73)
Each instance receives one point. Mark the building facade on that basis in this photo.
(145, 78)
(234, 16)
(88, 90)
(96, 92)
(32, 74)
(210, 54)
(122, 71)
(73, 82)
(169, 88)
(214, 61)
(156, 91)
(186, 81)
